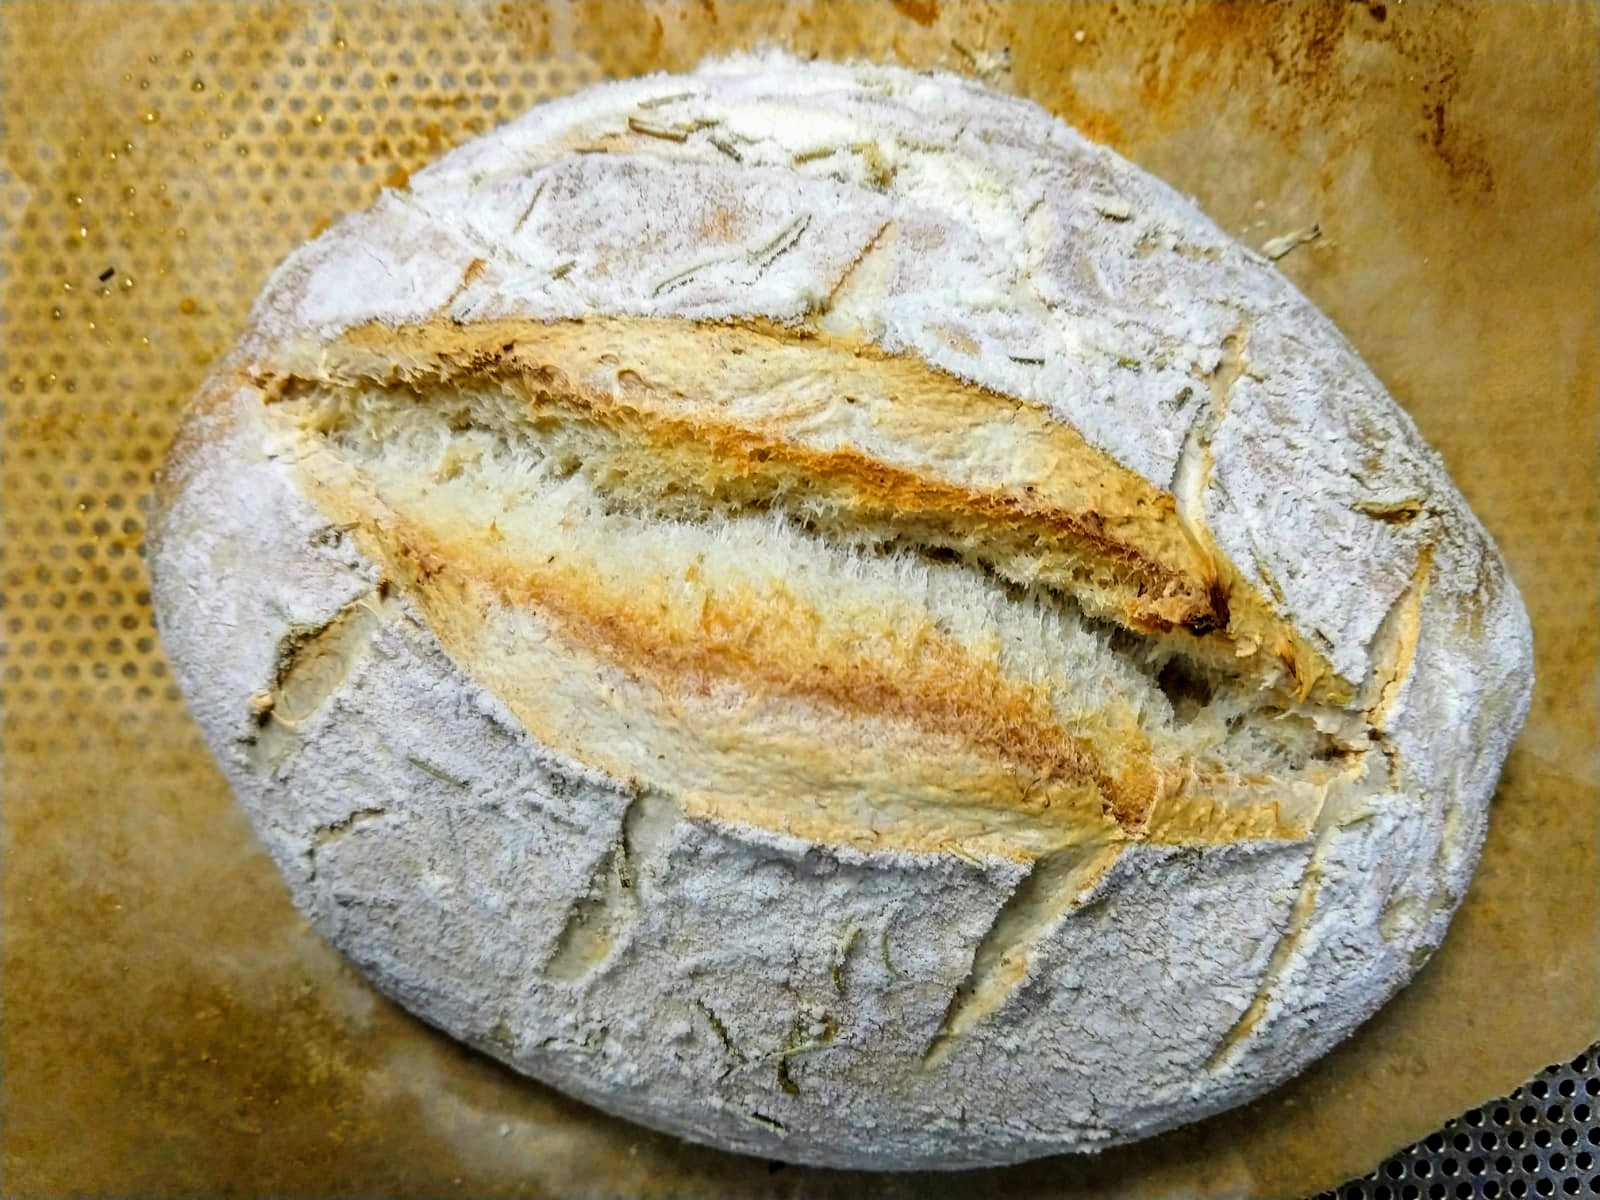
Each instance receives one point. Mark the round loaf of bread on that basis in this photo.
(816, 609)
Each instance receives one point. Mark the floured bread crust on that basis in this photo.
(815, 609)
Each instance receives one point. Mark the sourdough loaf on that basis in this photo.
(816, 609)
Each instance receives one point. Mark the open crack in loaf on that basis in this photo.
(910, 631)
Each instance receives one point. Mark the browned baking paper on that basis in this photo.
(171, 1027)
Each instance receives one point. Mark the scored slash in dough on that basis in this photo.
(816, 609)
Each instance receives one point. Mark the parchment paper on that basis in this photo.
(171, 1027)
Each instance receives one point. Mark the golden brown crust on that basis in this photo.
(767, 643)
(1063, 512)
(989, 742)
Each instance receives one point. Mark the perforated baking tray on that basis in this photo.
(170, 1027)
(1543, 1139)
